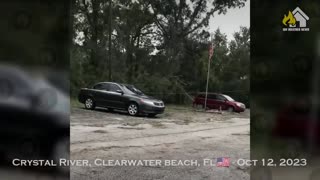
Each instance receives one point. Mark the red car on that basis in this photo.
(219, 101)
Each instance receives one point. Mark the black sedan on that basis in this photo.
(113, 95)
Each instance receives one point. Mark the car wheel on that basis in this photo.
(133, 109)
(89, 103)
(230, 109)
(152, 115)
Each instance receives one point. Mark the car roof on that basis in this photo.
(127, 85)
(203, 93)
(124, 84)
(105, 82)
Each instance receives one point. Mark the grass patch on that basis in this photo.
(172, 108)
(75, 103)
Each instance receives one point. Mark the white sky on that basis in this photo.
(231, 21)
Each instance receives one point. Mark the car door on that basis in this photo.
(95, 92)
(100, 92)
(211, 101)
(116, 98)
(221, 102)
(199, 100)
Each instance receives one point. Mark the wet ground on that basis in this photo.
(178, 134)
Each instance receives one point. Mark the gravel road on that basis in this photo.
(179, 134)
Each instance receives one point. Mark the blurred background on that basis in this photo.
(34, 86)
(285, 89)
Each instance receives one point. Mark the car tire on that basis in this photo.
(133, 109)
(230, 109)
(152, 115)
(89, 103)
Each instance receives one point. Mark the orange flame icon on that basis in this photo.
(289, 19)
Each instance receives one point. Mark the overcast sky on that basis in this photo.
(231, 21)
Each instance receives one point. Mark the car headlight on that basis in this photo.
(153, 103)
(147, 102)
(240, 105)
(159, 103)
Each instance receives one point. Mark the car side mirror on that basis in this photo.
(120, 91)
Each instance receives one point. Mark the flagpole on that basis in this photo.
(205, 102)
(209, 57)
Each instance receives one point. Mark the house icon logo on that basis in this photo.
(295, 21)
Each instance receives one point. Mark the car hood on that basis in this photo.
(236, 102)
(148, 97)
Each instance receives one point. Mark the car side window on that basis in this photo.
(101, 86)
(106, 86)
(221, 98)
(98, 86)
(212, 96)
(114, 88)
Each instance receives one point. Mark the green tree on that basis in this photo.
(159, 46)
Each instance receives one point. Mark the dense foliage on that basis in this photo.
(159, 46)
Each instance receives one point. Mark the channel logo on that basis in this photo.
(295, 20)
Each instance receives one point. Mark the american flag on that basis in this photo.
(223, 162)
(211, 47)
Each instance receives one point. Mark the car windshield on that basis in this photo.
(228, 98)
(133, 89)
